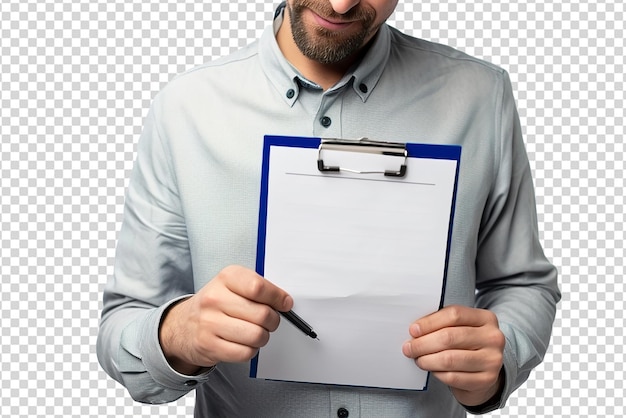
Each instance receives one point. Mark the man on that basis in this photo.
(185, 311)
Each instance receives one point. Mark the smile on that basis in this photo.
(330, 24)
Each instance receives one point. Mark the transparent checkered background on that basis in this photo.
(77, 77)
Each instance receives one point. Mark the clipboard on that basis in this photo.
(358, 232)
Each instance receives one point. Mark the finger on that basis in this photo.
(217, 301)
(461, 361)
(471, 382)
(243, 332)
(253, 312)
(451, 316)
(252, 286)
(223, 350)
(224, 338)
(465, 338)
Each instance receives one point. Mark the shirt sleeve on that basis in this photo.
(152, 271)
(514, 278)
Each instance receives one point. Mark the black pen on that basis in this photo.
(292, 317)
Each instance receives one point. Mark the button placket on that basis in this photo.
(328, 119)
(344, 404)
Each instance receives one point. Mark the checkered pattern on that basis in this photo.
(77, 77)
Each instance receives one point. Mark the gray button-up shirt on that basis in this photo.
(193, 199)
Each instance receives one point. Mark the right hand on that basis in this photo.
(228, 320)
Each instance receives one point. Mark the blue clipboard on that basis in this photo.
(299, 173)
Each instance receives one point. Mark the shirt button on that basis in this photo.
(290, 93)
(363, 88)
(326, 121)
(343, 413)
(190, 383)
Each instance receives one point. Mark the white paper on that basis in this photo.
(363, 257)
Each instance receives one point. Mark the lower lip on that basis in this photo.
(330, 25)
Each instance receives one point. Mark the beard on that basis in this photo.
(326, 46)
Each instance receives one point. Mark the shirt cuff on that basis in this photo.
(154, 359)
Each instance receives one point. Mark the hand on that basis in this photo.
(229, 319)
(463, 347)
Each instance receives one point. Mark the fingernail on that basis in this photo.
(406, 349)
(288, 303)
(415, 330)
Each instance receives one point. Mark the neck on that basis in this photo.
(325, 75)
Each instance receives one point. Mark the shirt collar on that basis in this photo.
(363, 77)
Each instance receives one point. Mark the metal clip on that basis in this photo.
(394, 149)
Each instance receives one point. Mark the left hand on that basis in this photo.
(463, 347)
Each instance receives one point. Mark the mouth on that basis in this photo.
(331, 23)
